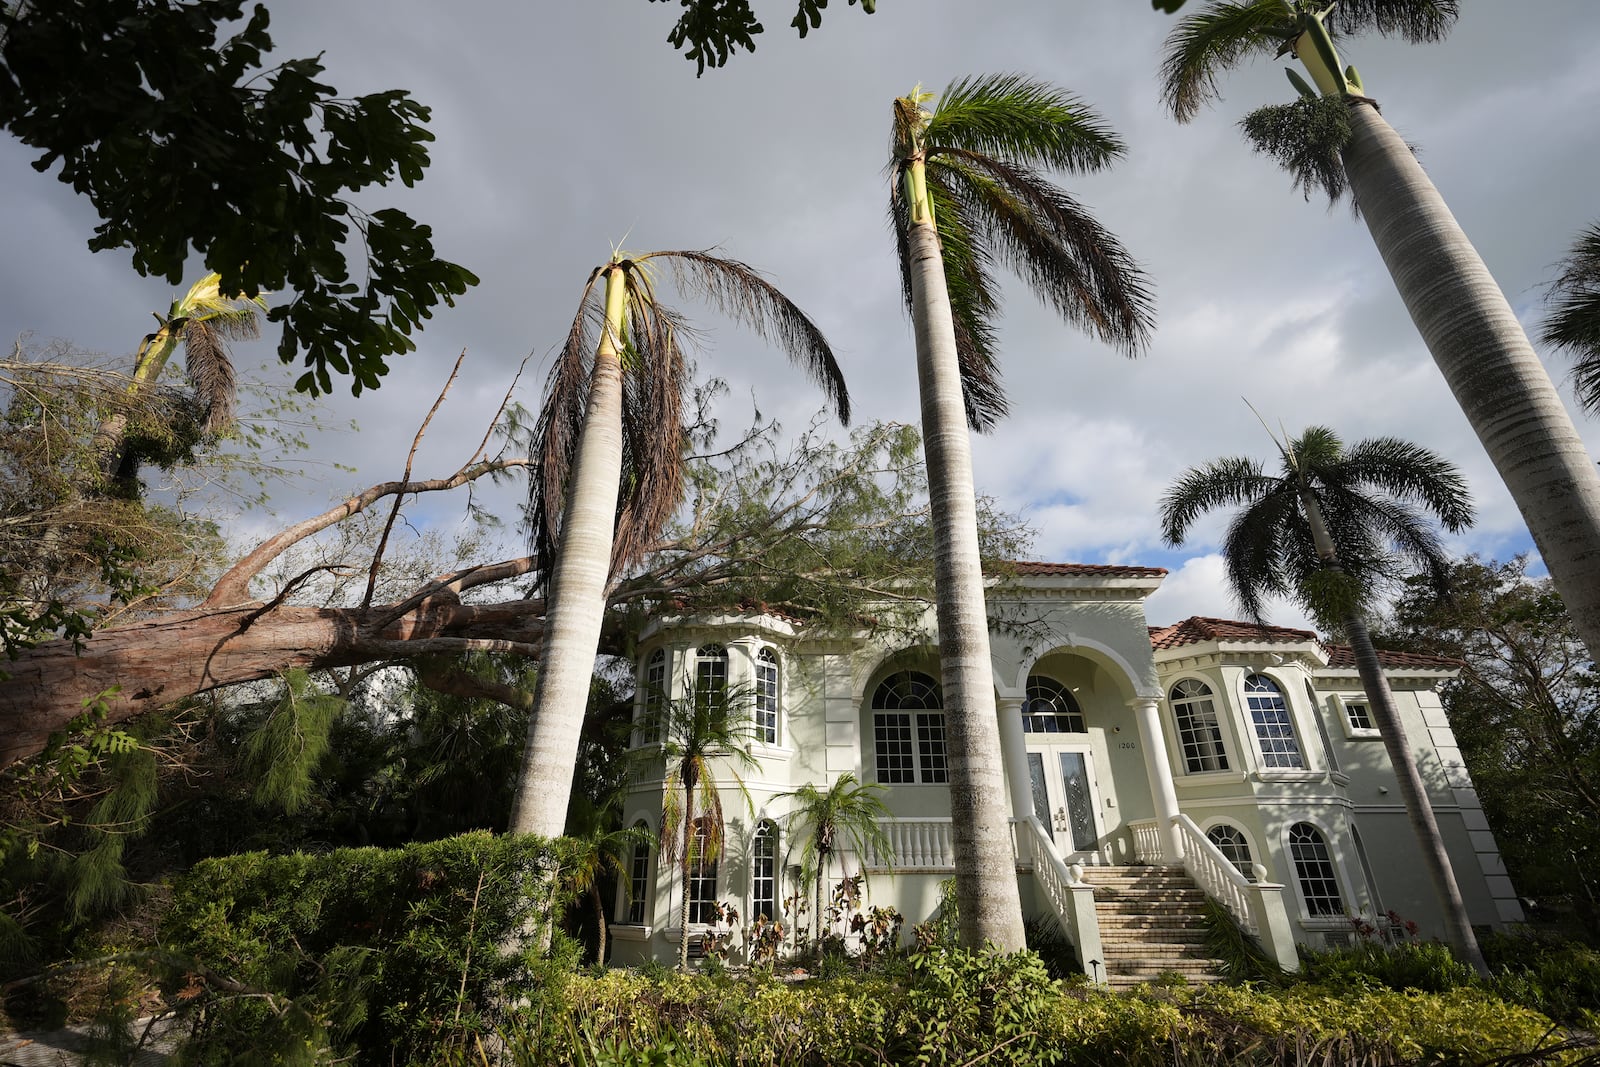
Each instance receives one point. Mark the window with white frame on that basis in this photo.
(1199, 733)
(908, 730)
(1269, 714)
(711, 678)
(764, 871)
(1313, 871)
(1231, 842)
(1358, 720)
(654, 706)
(638, 875)
(1050, 708)
(767, 696)
(702, 888)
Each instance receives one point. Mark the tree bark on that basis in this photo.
(577, 598)
(986, 879)
(147, 665)
(1485, 357)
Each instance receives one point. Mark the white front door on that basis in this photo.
(1067, 800)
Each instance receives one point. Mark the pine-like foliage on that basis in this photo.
(282, 753)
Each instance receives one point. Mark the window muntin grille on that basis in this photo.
(638, 876)
(1359, 714)
(1050, 708)
(1269, 714)
(655, 697)
(702, 887)
(1199, 732)
(767, 696)
(764, 871)
(711, 678)
(1230, 841)
(1313, 870)
(908, 733)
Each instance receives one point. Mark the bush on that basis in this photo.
(1559, 978)
(1425, 965)
(395, 953)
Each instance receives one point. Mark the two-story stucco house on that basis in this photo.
(1240, 758)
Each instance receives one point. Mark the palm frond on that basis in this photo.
(655, 381)
(210, 371)
(1411, 473)
(974, 294)
(1030, 123)
(1213, 39)
(740, 292)
(1574, 320)
(1306, 138)
(1219, 484)
(1069, 260)
(1417, 21)
(1257, 547)
(555, 434)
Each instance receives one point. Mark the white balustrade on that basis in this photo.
(1215, 873)
(1146, 842)
(923, 844)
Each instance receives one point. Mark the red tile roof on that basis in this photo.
(1198, 628)
(1082, 570)
(1341, 656)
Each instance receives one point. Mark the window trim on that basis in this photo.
(1068, 708)
(1253, 858)
(766, 831)
(654, 698)
(700, 876)
(1309, 918)
(767, 657)
(706, 658)
(1342, 703)
(635, 900)
(1220, 741)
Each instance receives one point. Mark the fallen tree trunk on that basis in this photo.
(146, 665)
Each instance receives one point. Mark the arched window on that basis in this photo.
(1230, 841)
(1199, 733)
(767, 696)
(711, 678)
(1313, 869)
(638, 876)
(702, 886)
(1269, 714)
(908, 729)
(1050, 708)
(764, 871)
(654, 706)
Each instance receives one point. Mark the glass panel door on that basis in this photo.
(1078, 794)
(1041, 792)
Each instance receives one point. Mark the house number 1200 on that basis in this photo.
(1128, 744)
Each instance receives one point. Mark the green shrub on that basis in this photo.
(1559, 978)
(1425, 965)
(395, 953)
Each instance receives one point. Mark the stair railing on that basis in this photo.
(1071, 898)
(1256, 905)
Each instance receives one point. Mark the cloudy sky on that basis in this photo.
(566, 129)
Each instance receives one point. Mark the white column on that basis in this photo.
(1014, 755)
(1162, 791)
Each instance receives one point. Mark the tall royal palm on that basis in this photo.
(1574, 321)
(1462, 315)
(969, 193)
(614, 405)
(1327, 532)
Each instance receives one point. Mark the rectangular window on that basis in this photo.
(1275, 734)
(702, 880)
(891, 737)
(638, 881)
(655, 698)
(930, 747)
(1201, 737)
(767, 697)
(1359, 714)
(764, 873)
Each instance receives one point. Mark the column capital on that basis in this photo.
(1144, 700)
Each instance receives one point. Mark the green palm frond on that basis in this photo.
(1306, 138)
(1215, 38)
(1574, 320)
(1372, 499)
(1023, 121)
(1416, 21)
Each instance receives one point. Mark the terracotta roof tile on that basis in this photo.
(1198, 628)
(1030, 568)
(1341, 656)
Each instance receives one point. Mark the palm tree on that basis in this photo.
(700, 735)
(846, 808)
(600, 852)
(1462, 315)
(1328, 532)
(203, 321)
(967, 191)
(614, 405)
(1574, 322)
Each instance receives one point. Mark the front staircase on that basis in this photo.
(1152, 922)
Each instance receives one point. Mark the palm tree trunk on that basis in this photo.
(822, 880)
(1420, 810)
(600, 920)
(986, 880)
(1380, 699)
(1480, 347)
(576, 604)
(683, 902)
